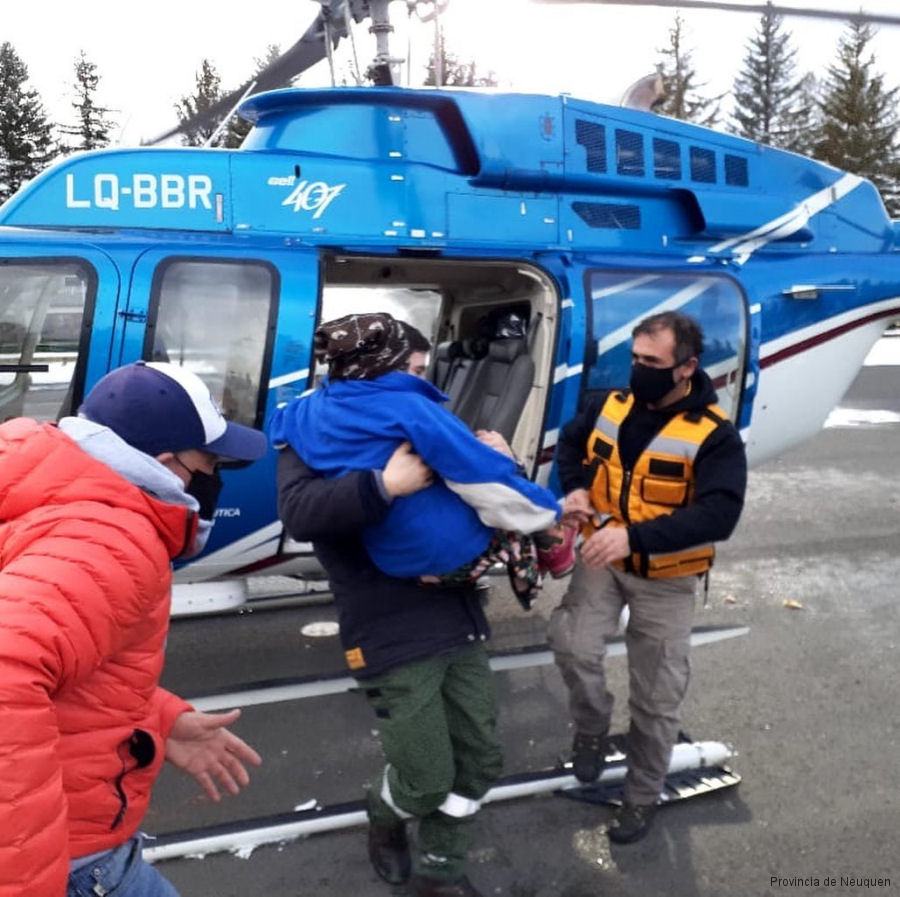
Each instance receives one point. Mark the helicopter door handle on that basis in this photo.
(812, 290)
(137, 316)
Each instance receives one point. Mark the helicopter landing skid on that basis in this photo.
(680, 785)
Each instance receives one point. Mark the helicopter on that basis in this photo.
(451, 209)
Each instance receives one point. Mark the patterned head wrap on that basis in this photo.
(365, 346)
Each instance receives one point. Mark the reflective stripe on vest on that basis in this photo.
(661, 481)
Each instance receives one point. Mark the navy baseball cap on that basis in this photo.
(158, 407)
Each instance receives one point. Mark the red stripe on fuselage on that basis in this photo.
(823, 337)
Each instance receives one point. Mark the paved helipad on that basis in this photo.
(809, 699)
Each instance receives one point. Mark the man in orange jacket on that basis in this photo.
(92, 513)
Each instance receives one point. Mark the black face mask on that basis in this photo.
(205, 487)
(649, 385)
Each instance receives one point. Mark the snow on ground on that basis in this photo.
(885, 351)
(860, 417)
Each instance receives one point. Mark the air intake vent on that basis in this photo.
(629, 153)
(703, 165)
(666, 159)
(736, 171)
(614, 216)
(593, 138)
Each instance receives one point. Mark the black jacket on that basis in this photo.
(391, 621)
(720, 469)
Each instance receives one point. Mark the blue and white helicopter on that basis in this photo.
(449, 208)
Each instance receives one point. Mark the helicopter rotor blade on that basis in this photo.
(304, 54)
(758, 8)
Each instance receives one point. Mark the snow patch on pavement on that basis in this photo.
(885, 352)
(860, 417)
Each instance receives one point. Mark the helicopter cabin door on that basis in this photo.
(57, 306)
(241, 320)
(618, 299)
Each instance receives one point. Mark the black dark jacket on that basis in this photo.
(720, 470)
(391, 621)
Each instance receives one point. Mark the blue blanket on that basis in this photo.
(357, 424)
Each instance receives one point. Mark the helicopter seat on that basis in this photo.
(455, 364)
(495, 391)
(447, 360)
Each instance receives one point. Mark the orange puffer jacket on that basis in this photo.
(85, 584)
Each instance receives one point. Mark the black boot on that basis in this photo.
(631, 822)
(430, 887)
(389, 852)
(588, 757)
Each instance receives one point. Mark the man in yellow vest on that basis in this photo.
(654, 475)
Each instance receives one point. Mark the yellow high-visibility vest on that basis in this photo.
(661, 481)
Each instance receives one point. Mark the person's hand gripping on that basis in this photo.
(406, 472)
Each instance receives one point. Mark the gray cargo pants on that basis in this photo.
(658, 643)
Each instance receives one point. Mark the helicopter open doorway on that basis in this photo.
(456, 304)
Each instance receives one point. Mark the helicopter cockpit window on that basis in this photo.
(216, 318)
(619, 299)
(45, 310)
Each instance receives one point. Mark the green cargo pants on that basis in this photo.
(437, 719)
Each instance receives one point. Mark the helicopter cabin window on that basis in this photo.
(217, 319)
(46, 309)
(620, 299)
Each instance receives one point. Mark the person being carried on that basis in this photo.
(92, 513)
(477, 511)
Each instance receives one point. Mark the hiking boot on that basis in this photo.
(588, 757)
(558, 559)
(420, 886)
(631, 822)
(389, 852)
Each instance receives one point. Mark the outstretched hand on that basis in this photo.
(200, 745)
(577, 508)
(405, 472)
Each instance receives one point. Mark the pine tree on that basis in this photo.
(208, 91)
(455, 72)
(679, 80)
(93, 126)
(238, 128)
(859, 128)
(771, 105)
(26, 141)
(808, 117)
